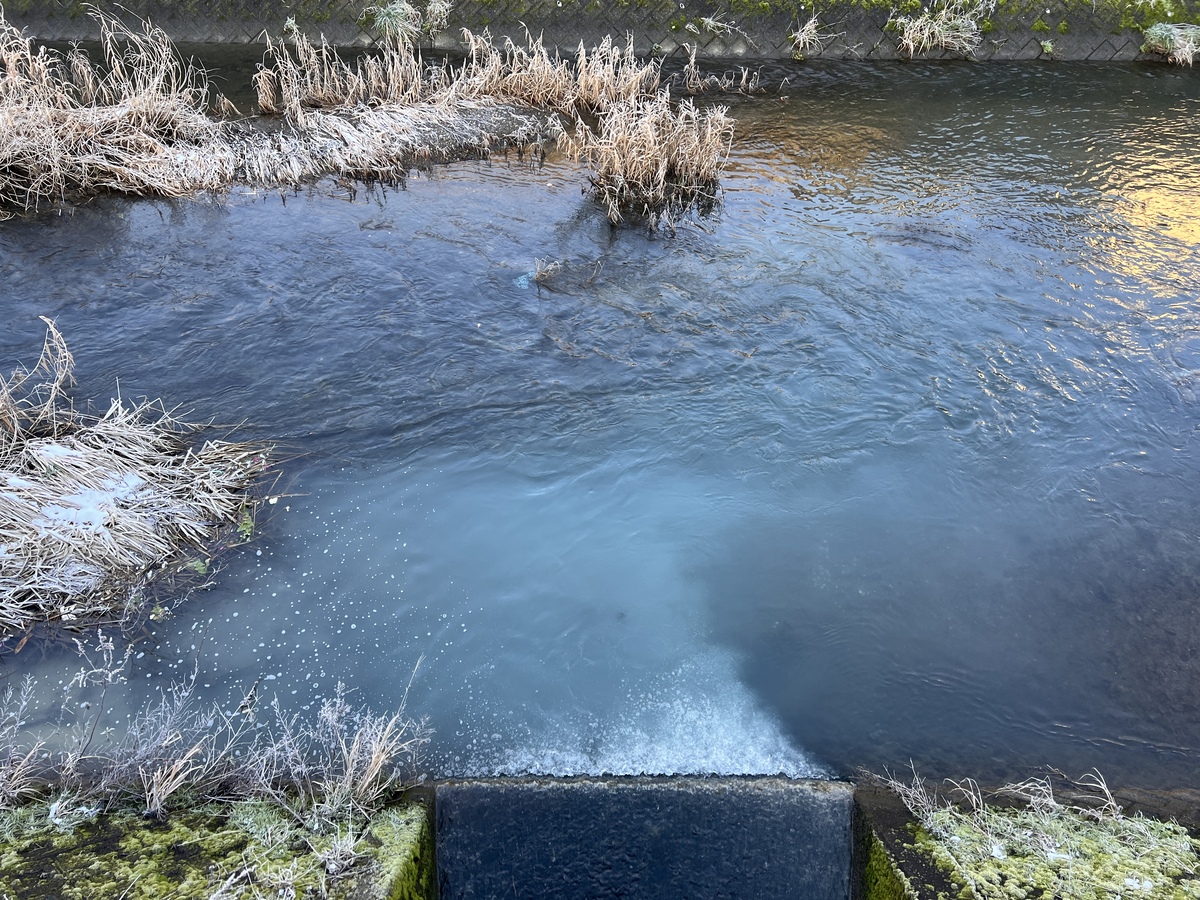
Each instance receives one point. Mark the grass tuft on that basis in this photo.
(654, 159)
(952, 25)
(1043, 847)
(70, 129)
(1178, 43)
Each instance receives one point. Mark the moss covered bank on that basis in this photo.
(229, 850)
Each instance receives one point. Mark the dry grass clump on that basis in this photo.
(316, 779)
(808, 39)
(654, 159)
(953, 25)
(1044, 848)
(395, 75)
(318, 78)
(594, 81)
(339, 768)
(1178, 43)
(139, 126)
(91, 506)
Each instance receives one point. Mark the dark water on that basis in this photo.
(892, 458)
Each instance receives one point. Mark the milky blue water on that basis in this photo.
(892, 458)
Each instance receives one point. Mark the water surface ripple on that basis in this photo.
(891, 458)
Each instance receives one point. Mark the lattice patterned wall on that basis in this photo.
(716, 28)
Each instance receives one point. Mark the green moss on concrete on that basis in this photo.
(194, 852)
(1023, 854)
(882, 880)
(406, 860)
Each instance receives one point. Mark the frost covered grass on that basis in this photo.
(93, 508)
(808, 39)
(1041, 847)
(139, 123)
(953, 25)
(136, 125)
(298, 805)
(655, 159)
(1179, 43)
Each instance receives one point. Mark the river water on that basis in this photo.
(891, 458)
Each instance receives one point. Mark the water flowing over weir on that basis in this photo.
(892, 458)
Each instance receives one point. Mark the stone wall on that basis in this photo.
(1104, 30)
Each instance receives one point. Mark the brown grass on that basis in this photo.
(655, 159)
(68, 129)
(139, 124)
(91, 506)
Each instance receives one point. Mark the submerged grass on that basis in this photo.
(1041, 847)
(93, 507)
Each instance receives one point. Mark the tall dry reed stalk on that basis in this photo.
(93, 507)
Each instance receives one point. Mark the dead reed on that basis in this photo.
(70, 129)
(138, 125)
(299, 76)
(653, 159)
(93, 507)
(316, 77)
(595, 80)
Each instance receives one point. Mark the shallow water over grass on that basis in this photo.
(893, 458)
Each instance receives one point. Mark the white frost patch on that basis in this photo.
(89, 509)
(50, 450)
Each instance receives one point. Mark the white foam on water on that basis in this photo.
(696, 720)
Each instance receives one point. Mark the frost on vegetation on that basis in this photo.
(295, 801)
(655, 160)
(400, 21)
(71, 130)
(1044, 848)
(953, 25)
(92, 508)
(808, 39)
(1178, 43)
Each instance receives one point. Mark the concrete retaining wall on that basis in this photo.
(638, 837)
(1106, 30)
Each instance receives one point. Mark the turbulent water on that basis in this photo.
(892, 458)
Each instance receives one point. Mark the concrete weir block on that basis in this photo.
(656, 838)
